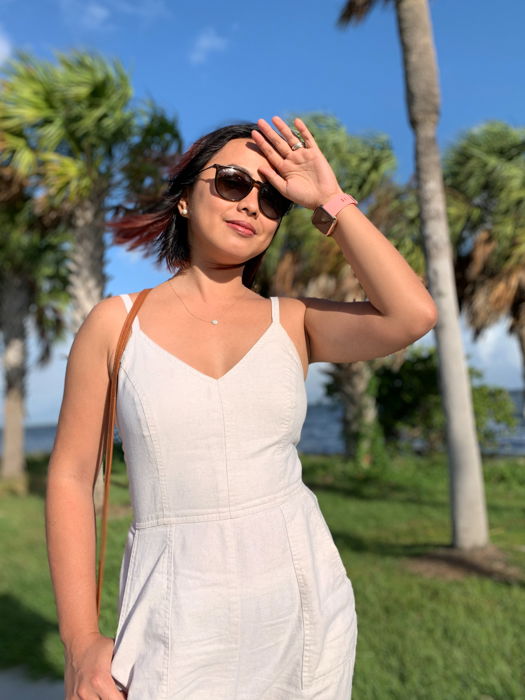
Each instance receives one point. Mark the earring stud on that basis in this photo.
(184, 212)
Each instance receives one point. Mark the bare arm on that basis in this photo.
(399, 309)
(70, 519)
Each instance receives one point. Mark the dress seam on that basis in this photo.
(225, 449)
(124, 603)
(300, 586)
(169, 576)
(270, 502)
(291, 350)
(238, 611)
(154, 443)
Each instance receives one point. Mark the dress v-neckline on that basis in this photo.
(203, 374)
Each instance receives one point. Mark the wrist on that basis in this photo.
(72, 643)
(326, 197)
(325, 215)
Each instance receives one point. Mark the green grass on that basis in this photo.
(426, 638)
(420, 636)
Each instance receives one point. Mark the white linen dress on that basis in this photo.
(231, 586)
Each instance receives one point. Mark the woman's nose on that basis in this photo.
(250, 203)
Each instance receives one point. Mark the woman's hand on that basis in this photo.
(88, 669)
(304, 176)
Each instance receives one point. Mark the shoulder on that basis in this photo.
(299, 305)
(292, 311)
(293, 306)
(101, 328)
(105, 314)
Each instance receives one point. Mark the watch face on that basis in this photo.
(322, 219)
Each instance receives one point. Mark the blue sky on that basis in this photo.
(209, 63)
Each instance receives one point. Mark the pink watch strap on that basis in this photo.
(337, 202)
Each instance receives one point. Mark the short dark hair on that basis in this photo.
(161, 228)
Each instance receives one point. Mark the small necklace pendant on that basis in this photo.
(215, 322)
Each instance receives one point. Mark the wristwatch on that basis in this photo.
(324, 217)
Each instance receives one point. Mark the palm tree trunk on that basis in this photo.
(351, 383)
(360, 413)
(469, 516)
(87, 278)
(87, 260)
(14, 310)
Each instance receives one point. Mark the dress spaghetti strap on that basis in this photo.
(128, 304)
(275, 309)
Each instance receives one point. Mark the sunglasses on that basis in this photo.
(234, 184)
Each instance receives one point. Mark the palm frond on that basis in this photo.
(355, 11)
(65, 178)
(484, 172)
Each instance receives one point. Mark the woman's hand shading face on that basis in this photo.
(302, 175)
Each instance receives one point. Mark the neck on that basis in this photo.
(212, 289)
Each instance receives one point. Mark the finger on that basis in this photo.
(285, 130)
(267, 150)
(273, 178)
(308, 139)
(277, 141)
(115, 694)
(87, 693)
(119, 691)
(106, 688)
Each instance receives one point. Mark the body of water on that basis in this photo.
(320, 434)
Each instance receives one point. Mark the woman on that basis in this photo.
(231, 584)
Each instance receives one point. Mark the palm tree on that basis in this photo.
(469, 513)
(33, 282)
(74, 124)
(484, 174)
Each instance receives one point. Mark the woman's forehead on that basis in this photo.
(243, 152)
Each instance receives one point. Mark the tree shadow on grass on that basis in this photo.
(377, 488)
(434, 560)
(22, 637)
(485, 562)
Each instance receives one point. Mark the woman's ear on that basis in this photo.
(183, 202)
(182, 206)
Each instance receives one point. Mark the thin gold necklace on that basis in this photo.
(214, 321)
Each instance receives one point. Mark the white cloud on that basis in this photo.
(495, 353)
(96, 15)
(147, 9)
(90, 15)
(6, 47)
(128, 256)
(207, 42)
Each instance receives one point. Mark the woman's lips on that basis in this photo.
(241, 228)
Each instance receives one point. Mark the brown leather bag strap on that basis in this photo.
(108, 431)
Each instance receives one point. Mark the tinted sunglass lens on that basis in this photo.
(273, 204)
(233, 185)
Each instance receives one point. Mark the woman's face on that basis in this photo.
(218, 228)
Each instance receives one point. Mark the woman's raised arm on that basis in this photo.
(399, 308)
